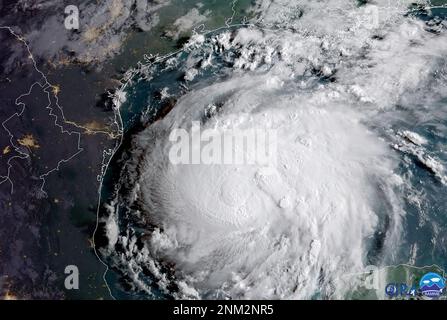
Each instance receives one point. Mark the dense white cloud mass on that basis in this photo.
(265, 232)
(330, 91)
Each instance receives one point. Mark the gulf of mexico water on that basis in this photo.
(413, 125)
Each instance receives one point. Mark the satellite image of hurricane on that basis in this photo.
(223, 149)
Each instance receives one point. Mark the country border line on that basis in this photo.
(46, 85)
